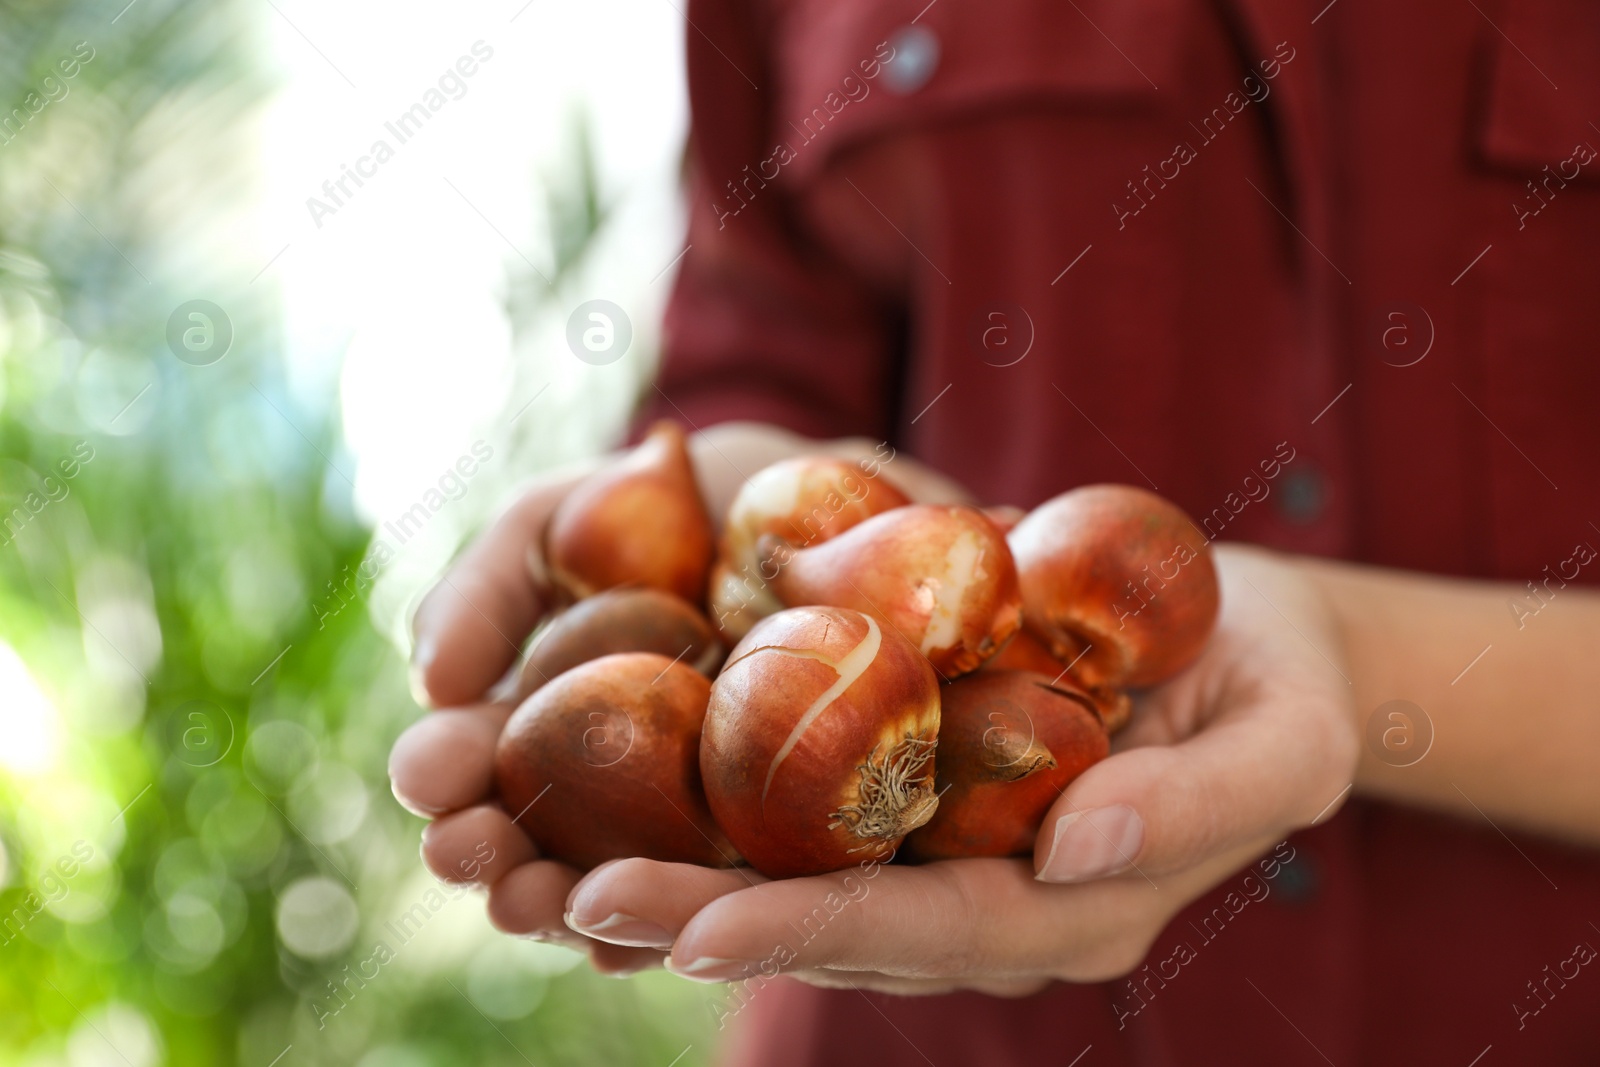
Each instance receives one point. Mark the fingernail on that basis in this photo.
(710, 969)
(1093, 843)
(411, 805)
(421, 657)
(620, 929)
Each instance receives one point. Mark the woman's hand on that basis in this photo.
(1254, 741)
(469, 632)
(470, 629)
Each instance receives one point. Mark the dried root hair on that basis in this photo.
(896, 795)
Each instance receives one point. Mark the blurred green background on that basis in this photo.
(200, 861)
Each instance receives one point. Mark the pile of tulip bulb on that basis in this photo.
(841, 671)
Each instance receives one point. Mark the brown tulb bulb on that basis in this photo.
(939, 575)
(1009, 743)
(604, 763)
(638, 521)
(819, 741)
(621, 620)
(1025, 652)
(801, 501)
(1117, 581)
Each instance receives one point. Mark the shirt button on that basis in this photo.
(1303, 493)
(915, 58)
(1298, 881)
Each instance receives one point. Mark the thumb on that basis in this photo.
(1158, 810)
(470, 627)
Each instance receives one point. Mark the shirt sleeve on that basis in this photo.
(762, 324)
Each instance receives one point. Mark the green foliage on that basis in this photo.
(179, 729)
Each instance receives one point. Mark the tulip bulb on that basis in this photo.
(621, 620)
(604, 763)
(1118, 582)
(1025, 652)
(939, 575)
(801, 501)
(1009, 743)
(819, 739)
(639, 521)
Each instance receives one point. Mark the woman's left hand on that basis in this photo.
(1255, 740)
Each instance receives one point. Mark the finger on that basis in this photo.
(531, 899)
(645, 902)
(922, 484)
(477, 845)
(1256, 771)
(618, 961)
(872, 982)
(529, 902)
(445, 761)
(470, 627)
(987, 918)
(1147, 725)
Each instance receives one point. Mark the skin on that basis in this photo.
(1261, 736)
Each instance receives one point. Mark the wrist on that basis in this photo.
(1332, 616)
(1357, 619)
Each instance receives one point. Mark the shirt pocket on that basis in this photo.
(845, 72)
(1533, 293)
(1543, 89)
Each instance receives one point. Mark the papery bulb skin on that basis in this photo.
(1010, 742)
(1117, 581)
(819, 742)
(621, 620)
(939, 575)
(603, 763)
(801, 501)
(638, 521)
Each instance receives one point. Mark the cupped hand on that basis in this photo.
(1253, 741)
(469, 631)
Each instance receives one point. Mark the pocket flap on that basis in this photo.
(849, 70)
(1544, 86)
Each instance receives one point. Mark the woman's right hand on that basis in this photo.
(469, 632)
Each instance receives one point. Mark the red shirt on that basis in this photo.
(1323, 276)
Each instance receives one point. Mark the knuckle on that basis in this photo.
(956, 918)
(634, 870)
